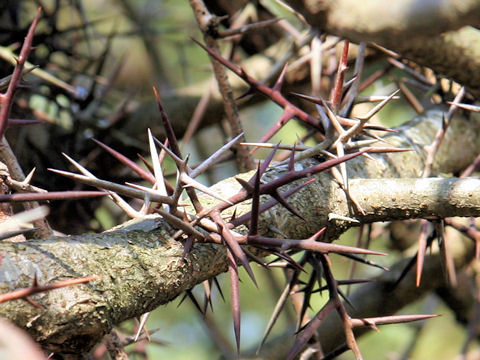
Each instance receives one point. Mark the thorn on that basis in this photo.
(333, 216)
(235, 297)
(465, 106)
(265, 164)
(167, 125)
(245, 184)
(364, 261)
(187, 247)
(50, 196)
(194, 301)
(29, 177)
(336, 94)
(276, 195)
(189, 182)
(290, 177)
(248, 27)
(208, 295)
(157, 167)
(422, 246)
(279, 83)
(35, 281)
(217, 284)
(9, 234)
(378, 107)
(291, 164)
(395, 319)
(79, 167)
(212, 159)
(141, 326)
(179, 224)
(311, 99)
(107, 185)
(234, 215)
(131, 164)
(232, 244)
(270, 203)
(255, 211)
(178, 160)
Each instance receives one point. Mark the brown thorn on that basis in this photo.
(232, 243)
(422, 246)
(255, 212)
(6, 100)
(172, 139)
(246, 28)
(131, 164)
(279, 83)
(235, 296)
(336, 94)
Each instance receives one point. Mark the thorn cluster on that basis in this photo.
(342, 135)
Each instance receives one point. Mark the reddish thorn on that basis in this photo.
(279, 83)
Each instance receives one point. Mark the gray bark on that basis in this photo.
(142, 267)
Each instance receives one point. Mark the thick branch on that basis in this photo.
(142, 267)
(420, 30)
(455, 54)
(323, 197)
(384, 21)
(140, 270)
(415, 198)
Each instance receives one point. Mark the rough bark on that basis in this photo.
(142, 267)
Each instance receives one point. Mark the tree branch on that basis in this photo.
(385, 22)
(181, 104)
(436, 40)
(142, 267)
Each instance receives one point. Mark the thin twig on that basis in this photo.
(208, 24)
